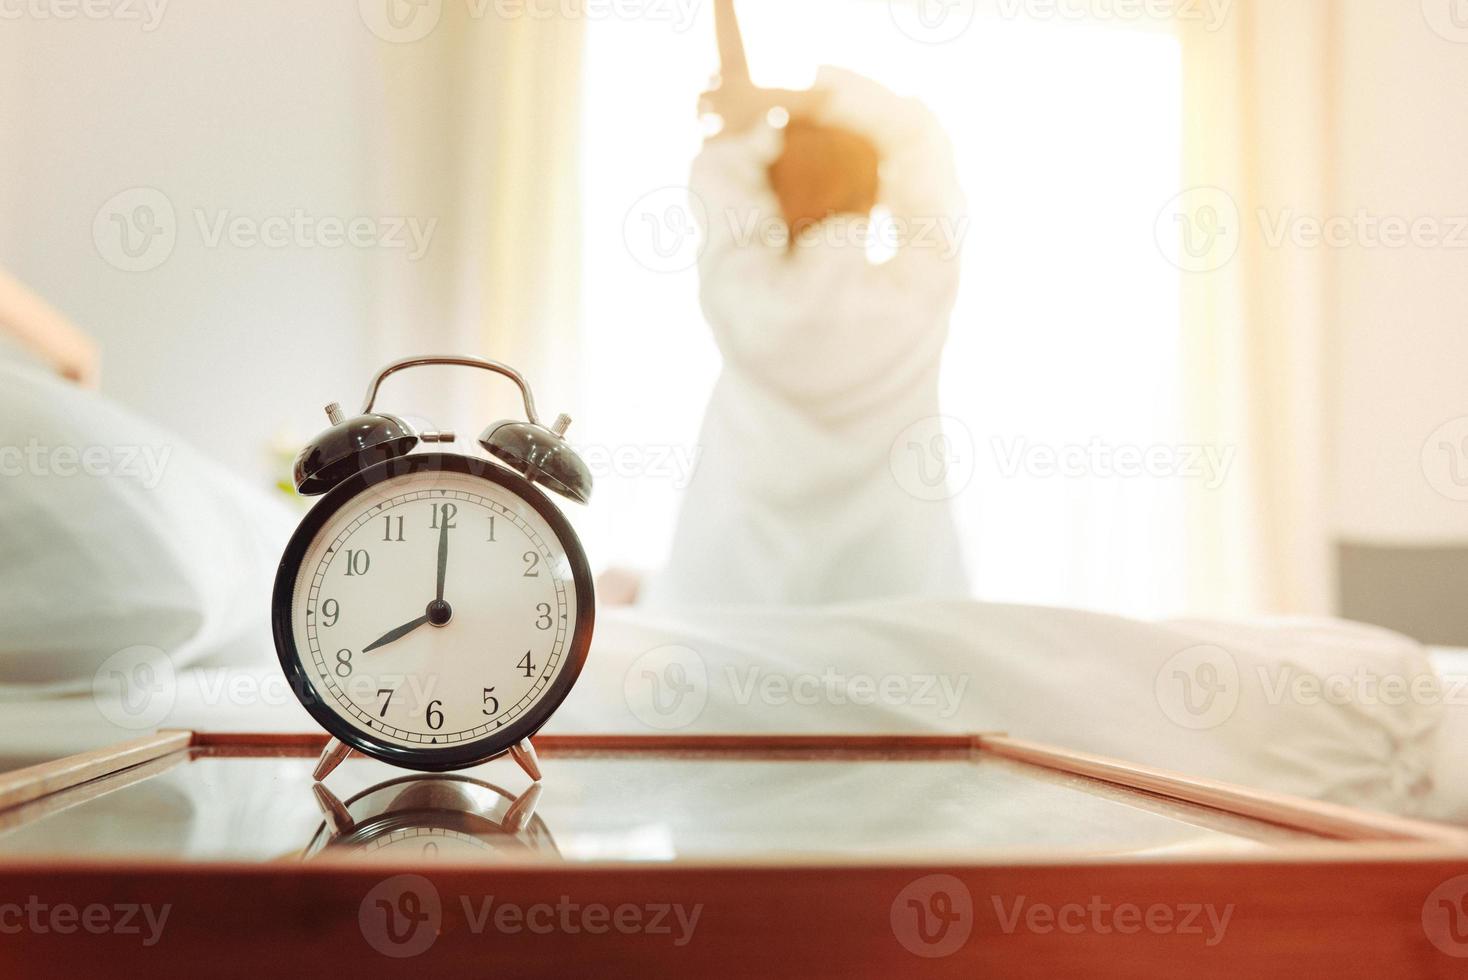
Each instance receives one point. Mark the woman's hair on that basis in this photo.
(823, 171)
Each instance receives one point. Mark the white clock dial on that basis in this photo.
(407, 665)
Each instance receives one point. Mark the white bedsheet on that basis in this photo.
(1077, 679)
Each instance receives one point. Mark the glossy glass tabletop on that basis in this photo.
(607, 805)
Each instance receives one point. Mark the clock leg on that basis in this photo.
(524, 754)
(331, 757)
(520, 812)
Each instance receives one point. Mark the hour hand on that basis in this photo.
(396, 634)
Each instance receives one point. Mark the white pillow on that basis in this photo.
(114, 534)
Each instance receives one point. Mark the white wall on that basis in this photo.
(255, 108)
(1402, 314)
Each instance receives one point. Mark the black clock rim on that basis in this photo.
(480, 750)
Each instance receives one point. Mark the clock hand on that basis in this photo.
(443, 555)
(396, 634)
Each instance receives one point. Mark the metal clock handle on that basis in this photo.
(453, 360)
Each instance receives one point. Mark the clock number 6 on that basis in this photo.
(434, 713)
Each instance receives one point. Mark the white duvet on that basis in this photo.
(93, 565)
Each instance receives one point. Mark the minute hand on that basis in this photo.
(396, 634)
(443, 555)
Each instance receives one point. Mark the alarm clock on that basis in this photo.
(433, 609)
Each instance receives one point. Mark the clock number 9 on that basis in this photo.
(331, 611)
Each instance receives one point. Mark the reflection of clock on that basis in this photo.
(424, 817)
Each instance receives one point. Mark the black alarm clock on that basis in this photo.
(434, 609)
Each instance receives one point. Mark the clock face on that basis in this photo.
(433, 610)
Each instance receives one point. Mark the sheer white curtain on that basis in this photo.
(1257, 311)
(482, 128)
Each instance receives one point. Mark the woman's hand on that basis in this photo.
(742, 105)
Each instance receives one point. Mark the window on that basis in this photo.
(1064, 345)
